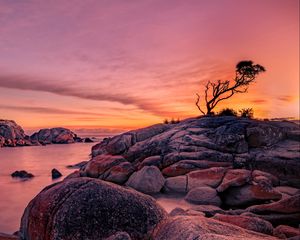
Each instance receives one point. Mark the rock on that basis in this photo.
(78, 165)
(211, 177)
(55, 173)
(22, 174)
(285, 205)
(176, 184)
(119, 236)
(119, 173)
(288, 190)
(256, 175)
(203, 195)
(294, 135)
(151, 161)
(197, 227)
(208, 210)
(89, 209)
(189, 212)
(4, 236)
(284, 231)
(75, 174)
(234, 178)
(147, 180)
(276, 219)
(87, 140)
(251, 223)
(249, 194)
(11, 134)
(55, 136)
(102, 163)
(186, 166)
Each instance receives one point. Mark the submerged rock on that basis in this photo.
(89, 209)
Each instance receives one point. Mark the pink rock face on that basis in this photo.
(206, 177)
(234, 178)
(286, 205)
(284, 231)
(101, 163)
(120, 173)
(198, 227)
(249, 194)
(251, 223)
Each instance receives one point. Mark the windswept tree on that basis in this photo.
(217, 91)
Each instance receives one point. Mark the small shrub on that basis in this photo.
(247, 112)
(166, 121)
(227, 112)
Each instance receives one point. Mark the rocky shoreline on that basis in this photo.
(12, 135)
(240, 176)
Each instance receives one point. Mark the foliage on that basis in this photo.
(246, 112)
(245, 74)
(227, 112)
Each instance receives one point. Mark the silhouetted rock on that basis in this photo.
(89, 209)
(87, 140)
(55, 173)
(22, 174)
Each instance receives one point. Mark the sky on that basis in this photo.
(115, 64)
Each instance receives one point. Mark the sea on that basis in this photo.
(15, 194)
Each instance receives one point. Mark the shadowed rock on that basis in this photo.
(22, 174)
(85, 208)
(55, 173)
(147, 180)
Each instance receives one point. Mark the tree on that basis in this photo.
(215, 92)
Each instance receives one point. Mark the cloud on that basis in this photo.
(285, 98)
(259, 101)
(46, 110)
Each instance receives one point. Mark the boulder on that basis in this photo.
(188, 212)
(55, 173)
(119, 173)
(22, 174)
(203, 195)
(176, 184)
(101, 163)
(251, 223)
(249, 194)
(11, 134)
(87, 140)
(285, 205)
(147, 180)
(198, 227)
(89, 209)
(151, 161)
(211, 177)
(234, 178)
(78, 165)
(284, 231)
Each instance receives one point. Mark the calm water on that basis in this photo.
(16, 194)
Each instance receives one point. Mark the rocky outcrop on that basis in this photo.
(86, 208)
(284, 231)
(12, 135)
(55, 136)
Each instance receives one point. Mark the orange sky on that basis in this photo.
(126, 64)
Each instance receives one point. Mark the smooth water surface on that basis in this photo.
(15, 194)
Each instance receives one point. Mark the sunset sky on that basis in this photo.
(127, 64)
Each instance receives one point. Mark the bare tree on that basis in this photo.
(215, 92)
